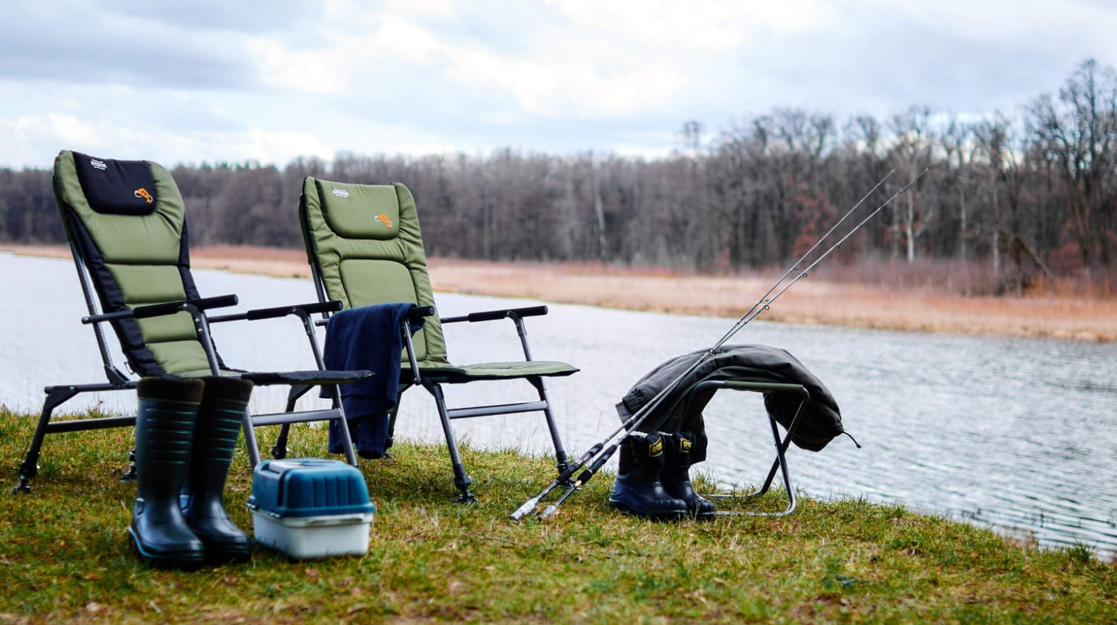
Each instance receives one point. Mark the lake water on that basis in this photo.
(1016, 434)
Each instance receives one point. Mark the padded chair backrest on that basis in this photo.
(128, 224)
(366, 244)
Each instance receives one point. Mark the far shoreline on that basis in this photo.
(812, 301)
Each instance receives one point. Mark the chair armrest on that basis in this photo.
(490, 315)
(419, 312)
(168, 308)
(280, 311)
(283, 311)
(414, 316)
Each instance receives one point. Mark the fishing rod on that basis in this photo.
(638, 418)
(763, 298)
(564, 477)
(763, 304)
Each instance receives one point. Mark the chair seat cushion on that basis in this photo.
(313, 377)
(456, 374)
(268, 378)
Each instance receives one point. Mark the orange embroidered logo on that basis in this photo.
(382, 218)
(142, 193)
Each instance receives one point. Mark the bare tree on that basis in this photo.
(1075, 134)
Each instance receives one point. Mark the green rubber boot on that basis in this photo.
(203, 501)
(676, 475)
(159, 534)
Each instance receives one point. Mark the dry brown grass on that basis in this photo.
(808, 302)
(811, 301)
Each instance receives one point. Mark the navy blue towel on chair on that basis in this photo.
(367, 338)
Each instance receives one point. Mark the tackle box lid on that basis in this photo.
(306, 487)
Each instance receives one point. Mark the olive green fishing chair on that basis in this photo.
(125, 222)
(365, 247)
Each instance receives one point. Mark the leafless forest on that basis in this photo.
(1021, 195)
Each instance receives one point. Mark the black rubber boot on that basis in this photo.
(676, 475)
(638, 490)
(203, 502)
(159, 534)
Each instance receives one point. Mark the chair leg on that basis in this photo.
(30, 465)
(279, 450)
(560, 453)
(779, 464)
(343, 426)
(392, 415)
(461, 479)
(781, 447)
(250, 440)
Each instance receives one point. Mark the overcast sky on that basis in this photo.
(222, 80)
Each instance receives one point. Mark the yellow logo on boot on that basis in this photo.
(685, 445)
(656, 448)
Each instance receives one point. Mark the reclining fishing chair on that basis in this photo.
(126, 225)
(365, 247)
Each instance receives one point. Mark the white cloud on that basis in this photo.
(553, 78)
(35, 140)
(405, 41)
(318, 72)
(703, 24)
(564, 75)
(283, 146)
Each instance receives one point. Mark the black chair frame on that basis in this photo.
(781, 444)
(433, 385)
(118, 381)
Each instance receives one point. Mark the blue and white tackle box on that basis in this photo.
(311, 508)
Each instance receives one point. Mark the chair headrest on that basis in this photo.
(359, 211)
(116, 187)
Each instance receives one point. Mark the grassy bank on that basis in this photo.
(64, 557)
(927, 300)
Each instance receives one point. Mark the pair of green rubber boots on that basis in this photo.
(186, 431)
(653, 479)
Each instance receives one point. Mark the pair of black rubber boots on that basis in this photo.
(653, 479)
(186, 431)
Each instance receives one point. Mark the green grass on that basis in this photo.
(64, 556)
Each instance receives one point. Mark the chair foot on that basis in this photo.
(25, 477)
(463, 483)
(279, 453)
(129, 475)
(467, 498)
